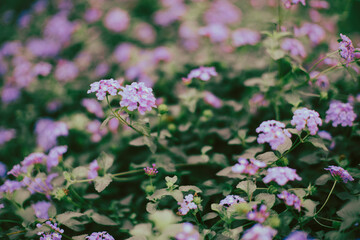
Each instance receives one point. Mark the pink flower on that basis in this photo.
(151, 171)
(212, 100)
(281, 175)
(315, 33)
(223, 12)
(294, 46)
(289, 3)
(340, 174)
(215, 32)
(66, 71)
(258, 214)
(243, 36)
(93, 169)
(272, 132)
(93, 106)
(259, 232)
(117, 20)
(188, 233)
(187, 204)
(230, 200)
(322, 80)
(92, 15)
(290, 199)
(346, 49)
(122, 52)
(340, 114)
(202, 73)
(103, 87)
(34, 158)
(304, 117)
(137, 96)
(245, 166)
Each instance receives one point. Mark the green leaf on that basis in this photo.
(323, 179)
(80, 172)
(293, 99)
(227, 172)
(172, 180)
(350, 213)
(141, 230)
(318, 142)
(190, 187)
(105, 161)
(247, 186)
(309, 205)
(285, 146)
(269, 199)
(139, 141)
(267, 157)
(103, 220)
(151, 207)
(103, 124)
(150, 142)
(102, 182)
(64, 217)
(142, 127)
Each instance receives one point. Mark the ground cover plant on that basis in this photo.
(179, 119)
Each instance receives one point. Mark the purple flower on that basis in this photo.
(93, 106)
(161, 54)
(215, 32)
(102, 87)
(42, 68)
(202, 73)
(41, 209)
(289, 3)
(3, 170)
(10, 186)
(223, 12)
(248, 166)
(297, 235)
(102, 69)
(325, 135)
(117, 20)
(188, 232)
(59, 28)
(322, 80)
(212, 100)
(244, 36)
(290, 199)
(10, 48)
(40, 185)
(100, 236)
(281, 175)
(173, 13)
(319, 4)
(122, 52)
(151, 171)
(2, 206)
(340, 113)
(187, 204)
(66, 71)
(259, 232)
(6, 135)
(93, 169)
(258, 214)
(137, 96)
(50, 236)
(145, 33)
(34, 158)
(315, 33)
(272, 132)
(229, 200)
(43, 47)
(294, 46)
(54, 156)
(48, 131)
(92, 15)
(257, 100)
(8, 95)
(94, 127)
(346, 49)
(340, 174)
(304, 117)
(17, 170)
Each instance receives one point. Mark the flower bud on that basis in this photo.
(149, 189)
(274, 221)
(197, 200)
(163, 108)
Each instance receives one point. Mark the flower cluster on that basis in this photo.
(290, 199)
(340, 114)
(340, 174)
(54, 156)
(188, 233)
(258, 214)
(294, 46)
(103, 87)
(100, 236)
(297, 235)
(322, 81)
(56, 235)
(117, 20)
(48, 131)
(272, 132)
(346, 49)
(34, 158)
(40, 185)
(93, 106)
(212, 100)
(304, 117)
(137, 96)
(187, 204)
(241, 37)
(151, 171)
(6, 135)
(202, 73)
(10, 186)
(281, 175)
(259, 232)
(3, 170)
(250, 166)
(229, 200)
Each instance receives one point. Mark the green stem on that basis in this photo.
(327, 219)
(322, 59)
(159, 126)
(279, 16)
(17, 232)
(325, 71)
(321, 223)
(9, 221)
(327, 199)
